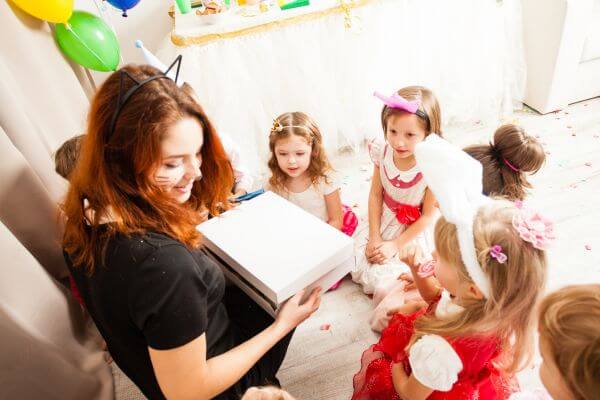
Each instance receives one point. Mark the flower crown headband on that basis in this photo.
(278, 127)
(459, 194)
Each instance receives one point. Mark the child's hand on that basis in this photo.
(410, 307)
(237, 193)
(408, 280)
(372, 245)
(292, 313)
(384, 252)
(412, 255)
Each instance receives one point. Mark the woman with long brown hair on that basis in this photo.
(150, 163)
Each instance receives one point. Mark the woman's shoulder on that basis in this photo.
(151, 250)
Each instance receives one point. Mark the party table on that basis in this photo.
(327, 59)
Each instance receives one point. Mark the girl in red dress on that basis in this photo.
(474, 330)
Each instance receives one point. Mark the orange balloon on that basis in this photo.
(57, 11)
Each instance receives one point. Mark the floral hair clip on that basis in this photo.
(277, 127)
(496, 253)
(426, 269)
(534, 228)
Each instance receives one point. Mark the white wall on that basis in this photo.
(148, 21)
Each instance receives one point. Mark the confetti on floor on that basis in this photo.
(588, 164)
(325, 327)
(588, 247)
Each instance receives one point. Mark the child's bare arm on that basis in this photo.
(426, 218)
(407, 386)
(335, 212)
(428, 287)
(375, 207)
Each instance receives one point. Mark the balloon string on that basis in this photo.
(70, 29)
(107, 18)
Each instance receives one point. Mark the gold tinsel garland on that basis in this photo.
(345, 7)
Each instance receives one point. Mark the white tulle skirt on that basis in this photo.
(469, 52)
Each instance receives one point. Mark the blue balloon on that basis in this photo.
(124, 5)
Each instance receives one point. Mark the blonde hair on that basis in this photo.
(516, 285)
(267, 393)
(298, 124)
(511, 146)
(66, 156)
(570, 325)
(429, 104)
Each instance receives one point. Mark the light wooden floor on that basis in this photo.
(320, 363)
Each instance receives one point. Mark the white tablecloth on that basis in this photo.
(470, 52)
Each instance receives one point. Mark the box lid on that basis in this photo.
(276, 246)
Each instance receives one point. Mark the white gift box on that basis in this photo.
(272, 249)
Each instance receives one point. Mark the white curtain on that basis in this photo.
(49, 351)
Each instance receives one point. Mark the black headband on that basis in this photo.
(122, 99)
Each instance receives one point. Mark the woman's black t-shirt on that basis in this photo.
(153, 291)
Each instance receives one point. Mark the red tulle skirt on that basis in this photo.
(479, 379)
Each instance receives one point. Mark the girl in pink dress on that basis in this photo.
(401, 208)
(476, 328)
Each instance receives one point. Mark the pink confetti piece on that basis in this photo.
(588, 247)
(588, 164)
(325, 327)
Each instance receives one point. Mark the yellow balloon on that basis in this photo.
(57, 11)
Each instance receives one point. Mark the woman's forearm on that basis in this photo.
(226, 369)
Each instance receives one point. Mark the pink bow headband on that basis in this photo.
(399, 102)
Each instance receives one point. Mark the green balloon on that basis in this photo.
(88, 41)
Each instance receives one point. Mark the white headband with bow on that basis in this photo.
(455, 178)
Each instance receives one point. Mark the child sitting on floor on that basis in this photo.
(569, 327)
(476, 328)
(302, 174)
(507, 160)
(401, 207)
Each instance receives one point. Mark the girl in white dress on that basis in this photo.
(401, 208)
(301, 172)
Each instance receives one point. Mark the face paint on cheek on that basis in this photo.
(166, 178)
